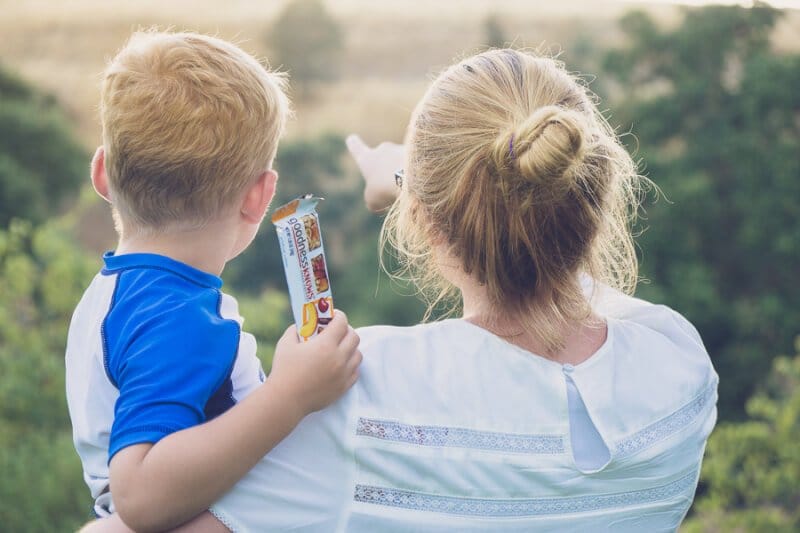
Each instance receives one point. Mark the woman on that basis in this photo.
(556, 402)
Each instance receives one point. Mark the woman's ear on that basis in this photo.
(257, 198)
(99, 176)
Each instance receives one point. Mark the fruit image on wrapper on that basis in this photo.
(303, 254)
(309, 325)
(324, 311)
(315, 314)
(312, 231)
(320, 273)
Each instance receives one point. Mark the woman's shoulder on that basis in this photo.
(441, 343)
(656, 323)
(655, 367)
(658, 352)
(371, 334)
(403, 337)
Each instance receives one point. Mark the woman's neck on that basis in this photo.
(582, 338)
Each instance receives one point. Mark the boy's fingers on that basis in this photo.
(356, 145)
(337, 328)
(350, 342)
(353, 379)
(354, 362)
(289, 336)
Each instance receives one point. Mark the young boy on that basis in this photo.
(168, 401)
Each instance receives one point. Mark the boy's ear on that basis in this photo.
(99, 176)
(258, 196)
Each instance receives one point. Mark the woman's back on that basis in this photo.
(515, 189)
(452, 428)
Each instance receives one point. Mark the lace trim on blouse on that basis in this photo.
(460, 437)
(223, 519)
(665, 427)
(490, 507)
(444, 436)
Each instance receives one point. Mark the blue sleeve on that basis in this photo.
(167, 360)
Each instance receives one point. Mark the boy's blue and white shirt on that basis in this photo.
(154, 347)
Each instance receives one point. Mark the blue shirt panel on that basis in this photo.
(167, 349)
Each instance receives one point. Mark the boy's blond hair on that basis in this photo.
(188, 122)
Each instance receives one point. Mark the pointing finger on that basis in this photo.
(356, 145)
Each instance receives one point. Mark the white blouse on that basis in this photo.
(451, 428)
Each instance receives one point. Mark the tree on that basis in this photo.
(41, 164)
(715, 115)
(494, 34)
(306, 40)
(751, 471)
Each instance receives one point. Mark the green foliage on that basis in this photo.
(350, 236)
(265, 317)
(42, 275)
(715, 113)
(752, 468)
(305, 166)
(306, 40)
(40, 162)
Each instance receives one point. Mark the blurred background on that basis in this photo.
(707, 95)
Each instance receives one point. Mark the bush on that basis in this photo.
(41, 164)
(751, 471)
(42, 275)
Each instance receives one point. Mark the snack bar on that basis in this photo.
(303, 255)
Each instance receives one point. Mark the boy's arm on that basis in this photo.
(161, 485)
(202, 523)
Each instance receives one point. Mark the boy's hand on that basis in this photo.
(378, 166)
(317, 372)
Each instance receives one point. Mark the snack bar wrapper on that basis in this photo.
(297, 225)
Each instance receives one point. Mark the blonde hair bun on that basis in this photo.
(519, 175)
(544, 147)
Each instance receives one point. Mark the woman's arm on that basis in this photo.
(378, 166)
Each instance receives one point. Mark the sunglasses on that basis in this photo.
(399, 176)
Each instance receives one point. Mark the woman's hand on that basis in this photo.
(377, 166)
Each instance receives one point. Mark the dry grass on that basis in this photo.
(392, 46)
